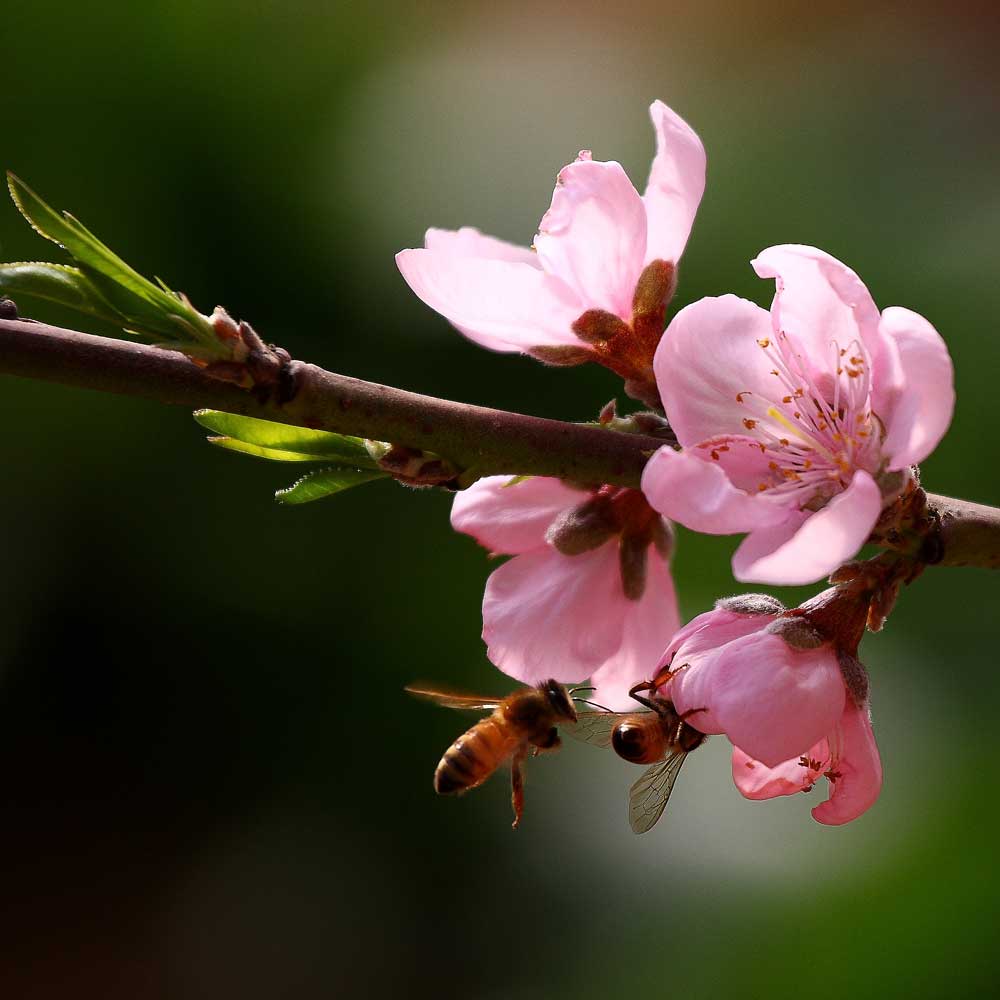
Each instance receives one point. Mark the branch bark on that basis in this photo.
(473, 437)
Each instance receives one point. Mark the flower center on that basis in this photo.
(817, 427)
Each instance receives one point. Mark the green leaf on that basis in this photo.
(150, 309)
(85, 247)
(60, 283)
(272, 454)
(273, 436)
(326, 482)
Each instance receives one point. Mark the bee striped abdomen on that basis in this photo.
(473, 757)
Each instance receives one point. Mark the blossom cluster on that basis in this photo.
(797, 426)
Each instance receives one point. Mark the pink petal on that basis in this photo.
(820, 302)
(470, 242)
(676, 184)
(856, 759)
(758, 781)
(698, 494)
(594, 235)
(771, 700)
(808, 547)
(501, 305)
(508, 515)
(922, 408)
(709, 631)
(549, 615)
(649, 624)
(708, 355)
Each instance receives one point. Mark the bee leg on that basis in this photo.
(517, 784)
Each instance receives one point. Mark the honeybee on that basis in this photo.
(524, 722)
(659, 736)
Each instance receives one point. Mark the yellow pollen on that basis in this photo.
(749, 424)
(761, 487)
(808, 464)
(739, 397)
(786, 399)
(773, 466)
(853, 373)
(715, 455)
(774, 372)
(858, 362)
(764, 342)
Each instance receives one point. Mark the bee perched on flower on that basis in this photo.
(799, 425)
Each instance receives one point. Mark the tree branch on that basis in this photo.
(473, 437)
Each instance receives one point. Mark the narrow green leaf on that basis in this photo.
(318, 445)
(60, 283)
(326, 482)
(272, 454)
(152, 310)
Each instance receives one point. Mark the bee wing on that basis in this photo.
(594, 728)
(455, 699)
(648, 797)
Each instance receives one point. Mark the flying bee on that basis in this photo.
(526, 721)
(659, 736)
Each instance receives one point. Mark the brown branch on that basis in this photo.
(474, 438)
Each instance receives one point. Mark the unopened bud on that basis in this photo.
(751, 604)
(855, 677)
(414, 467)
(797, 632)
(583, 527)
(609, 412)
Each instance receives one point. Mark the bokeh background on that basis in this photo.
(211, 784)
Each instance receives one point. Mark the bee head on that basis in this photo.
(559, 700)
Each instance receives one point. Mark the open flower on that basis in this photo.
(734, 671)
(596, 282)
(847, 757)
(792, 700)
(588, 592)
(796, 426)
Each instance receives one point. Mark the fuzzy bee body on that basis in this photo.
(522, 722)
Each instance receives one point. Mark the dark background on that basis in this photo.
(211, 784)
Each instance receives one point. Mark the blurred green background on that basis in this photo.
(212, 784)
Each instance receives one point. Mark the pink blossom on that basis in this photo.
(588, 592)
(735, 672)
(847, 757)
(581, 278)
(796, 426)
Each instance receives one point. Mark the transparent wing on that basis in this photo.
(595, 728)
(648, 797)
(454, 699)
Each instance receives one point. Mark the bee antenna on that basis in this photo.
(581, 687)
(592, 704)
